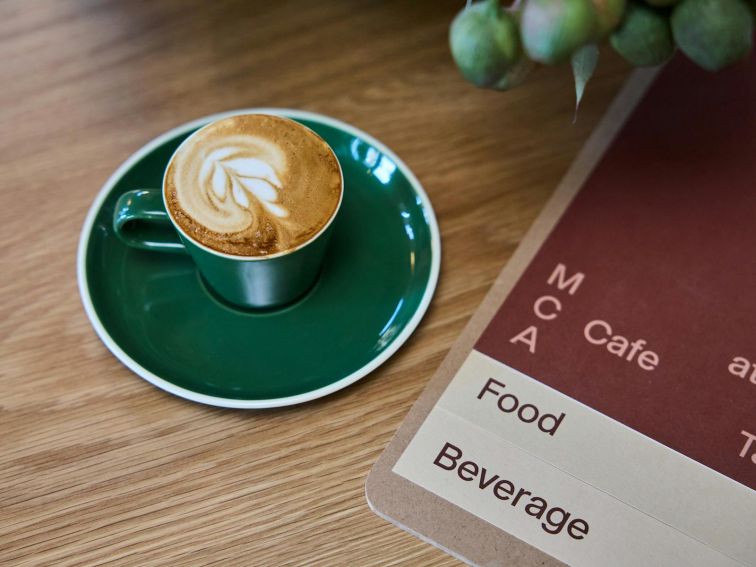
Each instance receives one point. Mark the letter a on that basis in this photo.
(739, 366)
(528, 336)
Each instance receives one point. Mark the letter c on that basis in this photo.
(547, 299)
(597, 323)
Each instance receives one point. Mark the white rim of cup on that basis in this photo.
(240, 257)
(335, 386)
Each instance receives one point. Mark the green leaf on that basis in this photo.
(584, 61)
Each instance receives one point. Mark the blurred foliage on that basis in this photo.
(496, 45)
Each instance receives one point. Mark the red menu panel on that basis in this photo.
(642, 301)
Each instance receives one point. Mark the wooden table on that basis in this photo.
(98, 466)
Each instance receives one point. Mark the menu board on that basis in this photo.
(600, 407)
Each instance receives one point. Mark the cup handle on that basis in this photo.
(141, 221)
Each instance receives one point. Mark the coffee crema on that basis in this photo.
(253, 185)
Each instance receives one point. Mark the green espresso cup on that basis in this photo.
(143, 219)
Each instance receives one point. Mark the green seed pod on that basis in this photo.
(713, 33)
(484, 42)
(608, 15)
(553, 29)
(644, 37)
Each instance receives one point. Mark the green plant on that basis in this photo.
(484, 42)
(713, 33)
(496, 46)
(644, 37)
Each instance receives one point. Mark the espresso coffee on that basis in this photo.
(253, 185)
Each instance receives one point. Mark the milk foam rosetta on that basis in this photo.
(253, 185)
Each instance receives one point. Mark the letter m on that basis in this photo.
(559, 278)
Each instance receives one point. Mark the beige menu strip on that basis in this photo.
(536, 502)
(602, 452)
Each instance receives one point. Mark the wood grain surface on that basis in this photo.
(99, 467)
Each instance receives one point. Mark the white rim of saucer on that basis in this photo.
(339, 384)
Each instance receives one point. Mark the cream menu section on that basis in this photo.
(571, 481)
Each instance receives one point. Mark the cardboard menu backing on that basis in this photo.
(600, 406)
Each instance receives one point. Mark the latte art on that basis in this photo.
(253, 185)
(226, 169)
(236, 187)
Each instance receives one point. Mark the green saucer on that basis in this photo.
(156, 316)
